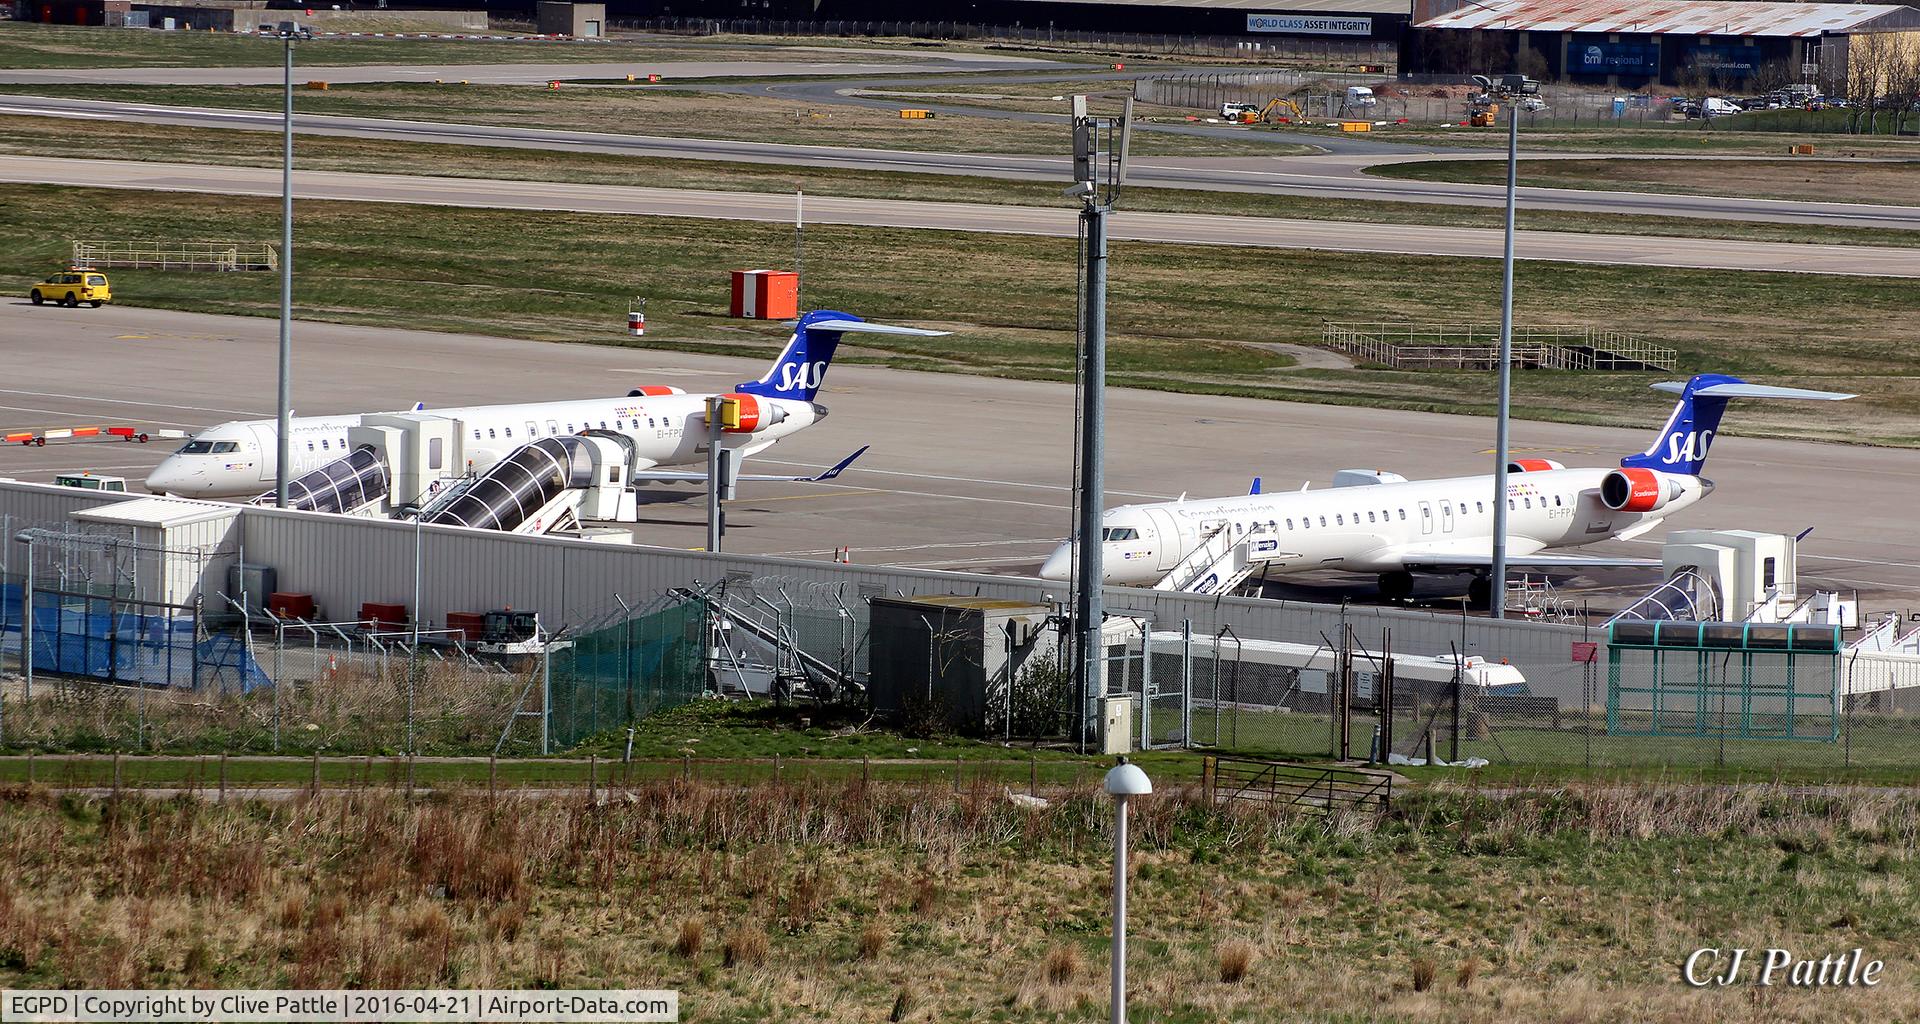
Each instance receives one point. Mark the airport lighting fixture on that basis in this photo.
(287, 33)
(1099, 171)
(1123, 780)
(1507, 87)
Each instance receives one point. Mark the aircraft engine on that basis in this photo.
(1637, 490)
(1532, 465)
(750, 414)
(654, 391)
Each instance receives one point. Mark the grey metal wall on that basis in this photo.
(25, 504)
(345, 561)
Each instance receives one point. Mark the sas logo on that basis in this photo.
(1688, 447)
(797, 375)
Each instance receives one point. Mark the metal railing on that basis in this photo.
(1319, 787)
(154, 255)
(1477, 347)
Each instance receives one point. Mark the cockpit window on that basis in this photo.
(223, 447)
(1120, 533)
(196, 448)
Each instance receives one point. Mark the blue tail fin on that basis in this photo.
(802, 365)
(1682, 444)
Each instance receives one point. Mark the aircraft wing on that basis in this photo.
(676, 476)
(1462, 559)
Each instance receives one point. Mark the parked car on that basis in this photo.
(73, 287)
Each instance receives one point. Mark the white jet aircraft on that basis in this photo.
(667, 425)
(1378, 522)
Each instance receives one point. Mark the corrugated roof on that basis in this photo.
(1662, 17)
(1404, 7)
(158, 512)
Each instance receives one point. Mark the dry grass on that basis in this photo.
(1423, 972)
(1063, 965)
(746, 945)
(1568, 906)
(687, 944)
(873, 940)
(1236, 958)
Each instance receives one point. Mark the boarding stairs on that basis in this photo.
(757, 653)
(1533, 597)
(1218, 566)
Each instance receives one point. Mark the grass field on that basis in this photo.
(652, 110)
(1806, 178)
(1172, 325)
(1679, 137)
(39, 136)
(30, 45)
(849, 902)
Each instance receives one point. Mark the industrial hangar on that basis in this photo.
(1634, 43)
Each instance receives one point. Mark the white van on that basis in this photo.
(1714, 106)
(1360, 96)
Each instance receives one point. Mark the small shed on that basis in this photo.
(176, 551)
(587, 21)
(948, 661)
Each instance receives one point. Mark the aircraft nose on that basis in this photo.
(1058, 565)
(161, 479)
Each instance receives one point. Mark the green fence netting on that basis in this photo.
(622, 672)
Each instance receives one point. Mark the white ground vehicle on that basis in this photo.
(1714, 106)
(1360, 96)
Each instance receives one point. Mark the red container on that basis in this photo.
(468, 627)
(291, 606)
(377, 615)
(766, 294)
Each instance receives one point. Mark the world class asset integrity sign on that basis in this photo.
(1307, 24)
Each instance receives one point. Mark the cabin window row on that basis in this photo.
(534, 428)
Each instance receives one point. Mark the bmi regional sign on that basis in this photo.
(1307, 24)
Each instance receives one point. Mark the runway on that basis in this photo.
(1334, 175)
(1193, 229)
(965, 472)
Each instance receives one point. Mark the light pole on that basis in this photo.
(289, 32)
(1123, 781)
(1508, 87)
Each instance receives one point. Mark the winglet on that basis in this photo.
(419, 407)
(1256, 486)
(838, 466)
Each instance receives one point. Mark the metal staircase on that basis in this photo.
(1218, 566)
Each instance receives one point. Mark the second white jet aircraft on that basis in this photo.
(1382, 523)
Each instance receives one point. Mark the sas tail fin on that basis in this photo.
(1681, 446)
(802, 366)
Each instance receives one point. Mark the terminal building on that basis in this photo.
(1722, 44)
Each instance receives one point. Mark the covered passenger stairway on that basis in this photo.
(549, 485)
(1220, 564)
(357, 483)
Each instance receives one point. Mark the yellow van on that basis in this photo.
(73, 287)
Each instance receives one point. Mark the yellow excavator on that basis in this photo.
(1280, 109)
